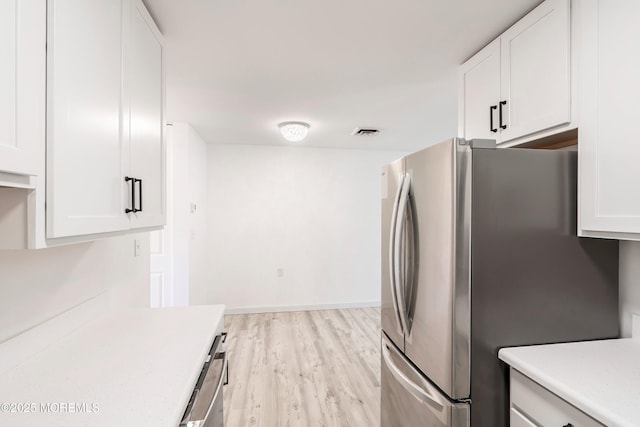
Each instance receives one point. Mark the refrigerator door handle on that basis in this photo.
(420, 393)
(409, 260)
(400, 262)
(393, 256)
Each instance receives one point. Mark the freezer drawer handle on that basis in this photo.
(416, 391)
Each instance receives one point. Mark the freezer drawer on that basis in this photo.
(409, 399)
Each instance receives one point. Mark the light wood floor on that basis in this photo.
(309, 368)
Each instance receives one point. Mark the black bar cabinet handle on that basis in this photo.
(139, 181)
(226, 379)
(133, 194)
(502, 103)
(568, 425)
(491, 128)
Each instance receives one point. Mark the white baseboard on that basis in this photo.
(281, 308)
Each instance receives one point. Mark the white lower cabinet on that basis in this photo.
(516, 419)
(533, 405)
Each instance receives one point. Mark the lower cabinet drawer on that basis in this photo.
(533, 405)
(519, 420)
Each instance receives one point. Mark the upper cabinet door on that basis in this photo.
(22, 85)
(479, 91)
(536, 71)
(144, 82)
(86, 161)
(518, 88)
(609, 175)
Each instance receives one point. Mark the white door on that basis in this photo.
(162, 245)
(22, 85)
(143, 83)
(161, 272)
(535, 71)
(479, 89)
(87, 154)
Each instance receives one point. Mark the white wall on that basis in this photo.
(180, 207)
(629, 284)
(313, 213)
(189, 167)
(37, 285)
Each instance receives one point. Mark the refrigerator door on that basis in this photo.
(392, 180)
(438, 340)
(410, 400)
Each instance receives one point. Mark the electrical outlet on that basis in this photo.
(280, 272)
(136, 248)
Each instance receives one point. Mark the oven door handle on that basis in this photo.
(205, 393)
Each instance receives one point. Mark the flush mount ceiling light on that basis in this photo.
(294, 131)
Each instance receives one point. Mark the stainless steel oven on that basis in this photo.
(205, 406)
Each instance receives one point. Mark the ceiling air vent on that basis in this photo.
(365, 131)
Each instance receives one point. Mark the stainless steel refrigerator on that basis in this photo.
(479, 252)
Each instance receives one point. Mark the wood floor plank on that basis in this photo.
(304, 369)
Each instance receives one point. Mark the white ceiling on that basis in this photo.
(236, 68)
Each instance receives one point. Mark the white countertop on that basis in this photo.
(602, 378)
(135, 367)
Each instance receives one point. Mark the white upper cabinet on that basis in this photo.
(144, 83)
(105, 148)
(87, 151)
(519, 87)
(479, 93)
(609, 199)
(22, 87)
(535, 78)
